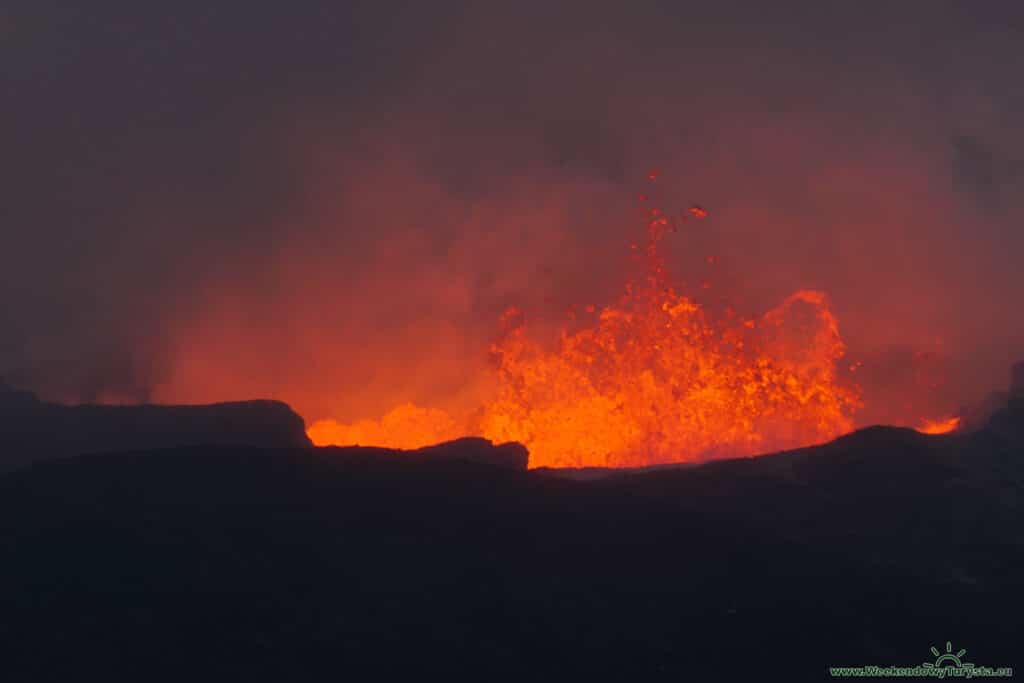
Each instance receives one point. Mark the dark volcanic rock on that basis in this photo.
(468, 450)
(32, 430)
(368, 564)
(474, 449)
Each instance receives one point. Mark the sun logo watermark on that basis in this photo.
(948, 659)
(946, 665)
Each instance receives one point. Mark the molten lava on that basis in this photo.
(653, 378)
(939, 426)
(406, 426)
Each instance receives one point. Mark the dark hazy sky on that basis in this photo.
(331, 202)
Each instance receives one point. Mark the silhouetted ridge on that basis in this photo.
(475, 449)
(32, 430)
(365, 563)
(470, 449)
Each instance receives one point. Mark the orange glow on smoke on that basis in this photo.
(939, 426)
(652, 378)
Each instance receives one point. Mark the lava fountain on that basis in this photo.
(651, 378)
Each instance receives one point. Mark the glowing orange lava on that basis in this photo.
(944, 426)
(406, 426)
(653, 378)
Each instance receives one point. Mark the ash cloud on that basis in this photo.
(331, 204)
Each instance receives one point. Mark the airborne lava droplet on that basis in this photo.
(698, 211)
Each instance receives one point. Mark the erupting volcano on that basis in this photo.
(652, 378)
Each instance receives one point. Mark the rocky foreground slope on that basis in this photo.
(362, 564)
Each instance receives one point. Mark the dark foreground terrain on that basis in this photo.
(359, 564)
(33, 430)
